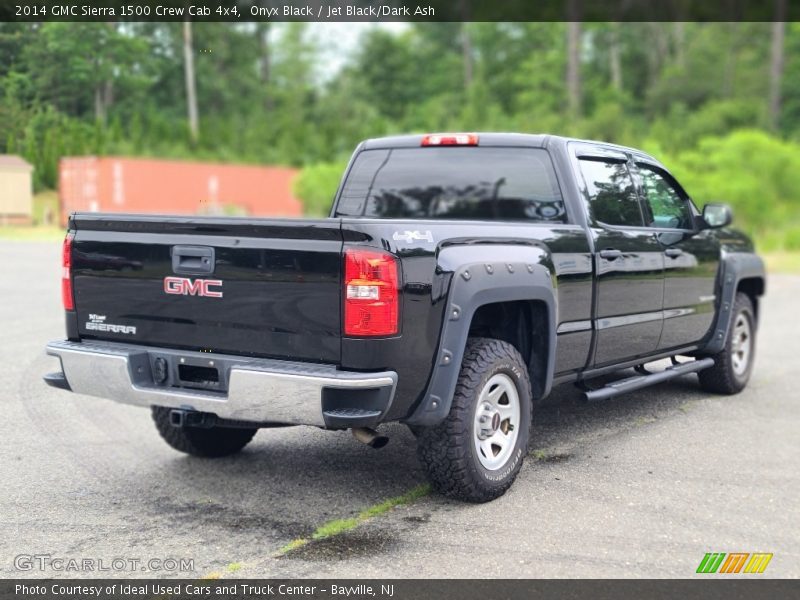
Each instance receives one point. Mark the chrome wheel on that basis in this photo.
(741, 344)
(497, 422)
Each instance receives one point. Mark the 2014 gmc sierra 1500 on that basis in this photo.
(458, 278)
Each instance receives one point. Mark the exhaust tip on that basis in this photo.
(370, 437)
(379, 442)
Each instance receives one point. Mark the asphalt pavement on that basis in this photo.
(639, 486)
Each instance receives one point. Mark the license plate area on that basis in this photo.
(188, 371)
(196, 375)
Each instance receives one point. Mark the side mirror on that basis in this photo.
(717, 215)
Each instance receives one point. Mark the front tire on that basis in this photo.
(477, 451)
(732, 367)
(210, 442)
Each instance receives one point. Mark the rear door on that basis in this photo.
(691, 258)
(629, 262)
(236, 286)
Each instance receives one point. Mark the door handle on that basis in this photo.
(193, 260)
(673, 252)
(610, 254)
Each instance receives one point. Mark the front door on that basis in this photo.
(691, 258)
(629, 262)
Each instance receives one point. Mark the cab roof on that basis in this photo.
(485, 139)
(489, 139)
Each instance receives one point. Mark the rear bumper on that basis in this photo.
(250, 389)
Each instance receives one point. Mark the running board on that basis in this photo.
(641, 381)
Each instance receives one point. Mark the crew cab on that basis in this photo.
(458, 278)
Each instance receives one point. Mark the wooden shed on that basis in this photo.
(16, 190)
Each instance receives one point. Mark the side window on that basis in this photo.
(666, 203)
(612, 196)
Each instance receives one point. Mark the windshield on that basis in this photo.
(453, 183)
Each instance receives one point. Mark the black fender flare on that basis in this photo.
(734, 267)
(484, 274)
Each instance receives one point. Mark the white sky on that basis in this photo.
(338, 40)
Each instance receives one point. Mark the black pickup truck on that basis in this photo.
(458, 278)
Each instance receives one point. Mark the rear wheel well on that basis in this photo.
(523, 324)
(753, 287)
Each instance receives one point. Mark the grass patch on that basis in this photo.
(30, 233)
(783, 262)
(233, 567)
(334, 528)
(549, 457)
(293, 545)
(539, 455)
(339, 526)
(387, 505)
(46, 208)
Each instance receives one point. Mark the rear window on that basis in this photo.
(453, 183)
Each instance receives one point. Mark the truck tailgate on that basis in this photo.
(259, 287)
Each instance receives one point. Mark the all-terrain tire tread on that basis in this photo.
(442, 449)
(721, 379)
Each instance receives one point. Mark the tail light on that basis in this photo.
(450, 139)
(66, 273)
(371, 305)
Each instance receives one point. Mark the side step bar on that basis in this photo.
(641, 381)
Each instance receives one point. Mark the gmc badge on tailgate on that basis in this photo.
(183, 286)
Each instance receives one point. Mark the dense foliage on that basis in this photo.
(719, 102)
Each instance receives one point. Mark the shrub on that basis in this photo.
(316, 186)
(756, 173)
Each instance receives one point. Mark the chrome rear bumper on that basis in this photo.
(257, 390)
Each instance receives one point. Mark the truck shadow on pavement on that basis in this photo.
(567, 421)
(291, 480)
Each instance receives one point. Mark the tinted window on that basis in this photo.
(611, 193)
(453, 183)
(668, 206)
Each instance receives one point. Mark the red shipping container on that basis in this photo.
(143, 185)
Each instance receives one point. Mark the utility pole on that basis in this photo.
(191, 87)
(466, 54)
(776, 64)
(615, 61)
(574, 68)
(265, 63)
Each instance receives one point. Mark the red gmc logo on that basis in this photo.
(182, 286)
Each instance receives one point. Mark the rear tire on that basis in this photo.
(732, 367)
(477, 451)
(211, 442)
